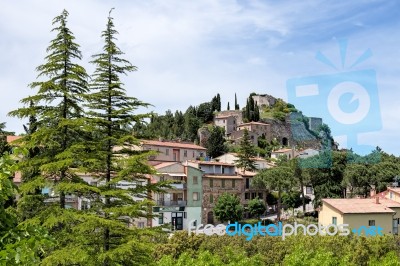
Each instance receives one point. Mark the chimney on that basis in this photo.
(377, 200)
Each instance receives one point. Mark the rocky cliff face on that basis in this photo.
(293, 132)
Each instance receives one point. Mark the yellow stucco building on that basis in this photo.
(376, 211)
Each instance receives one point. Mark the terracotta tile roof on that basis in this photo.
(361, 205)
(224, 176)
(247, 173)
(164, 164)
(12, 138)
(212, 163)
(394, 189)
(173, 144)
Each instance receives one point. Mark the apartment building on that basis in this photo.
(182, 202)
(218, 178)
(173, 151)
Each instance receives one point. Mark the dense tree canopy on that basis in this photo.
(228, 208)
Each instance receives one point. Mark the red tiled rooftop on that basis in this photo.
(224, 176)
(211, 163)
(164, 164)
(246, 173)
(12, 138)
(361, 205)
(173, 144)
(394, 189)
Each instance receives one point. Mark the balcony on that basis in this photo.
(179, 203)
(178, 186)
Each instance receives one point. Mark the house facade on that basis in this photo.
(218, 178)
(289, 153)
(182, 202)
(173, 151)
(361, 212)
(227, 122)
(257, 128)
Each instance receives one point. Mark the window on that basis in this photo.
(180, 196)
(185, 153)
(253, 195)
(85, 205)
(223, 183)
(223, 170)
(334, 220)
(211, 183)
(308, 190)
(260, 195)
(391, 195)
(246, 196)
(141, 224)
(166, 151)
(195, 196)
(247, 183)
(195, 181)
(371, 222)
(233, 183)
(161, 218)
(211, 198)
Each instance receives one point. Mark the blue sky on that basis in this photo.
(187, 51)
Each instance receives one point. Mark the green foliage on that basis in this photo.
(245, 153)
(278, 178)
(268, 250)
(216, 142)
(228, 208)
(251, 110)
(256, 207)
(57, 109)
(236, 104)
(4, 146)
(216, 103)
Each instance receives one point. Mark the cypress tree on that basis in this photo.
(228, 107)
(236, 104)
(218, 102)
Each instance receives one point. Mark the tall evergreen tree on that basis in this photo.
(236, 104)
(216, 142)
(246, 152)
(112, 158)
(218, 102)
(228, 107)
(4, 147)
(57, 108)
(256, 113)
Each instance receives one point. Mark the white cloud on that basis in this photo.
(187, 51)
